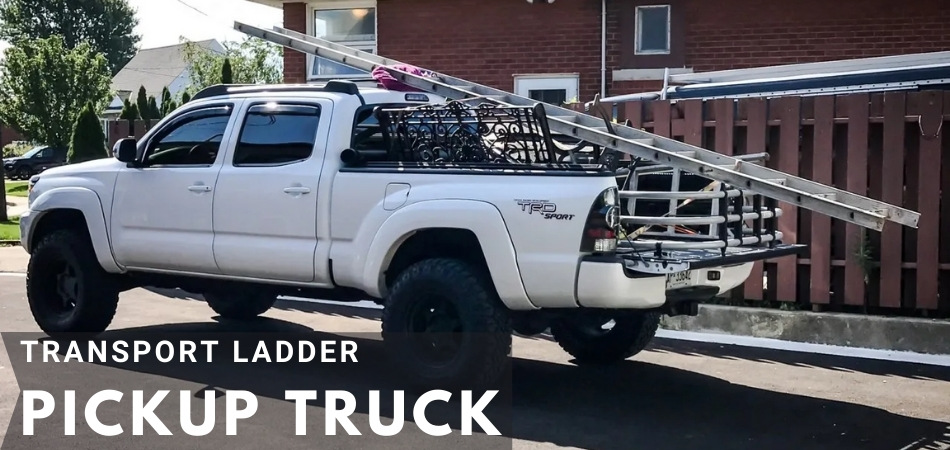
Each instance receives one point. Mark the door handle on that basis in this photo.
(200, 188)
(296, 190)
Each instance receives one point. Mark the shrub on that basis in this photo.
(17, 148)
(88, 141)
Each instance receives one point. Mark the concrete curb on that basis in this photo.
(927, 336)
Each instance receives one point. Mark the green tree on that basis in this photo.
(141, 102)
(44, 85)
(252, 61)
(166, 97)
(171, 107)
(106, 25)
(129, 112)
(185, 97)
(226, 76)
(153, 111)
(88, 140)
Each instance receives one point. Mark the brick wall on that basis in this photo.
(488, 41)
(726, 34)
(295, 63)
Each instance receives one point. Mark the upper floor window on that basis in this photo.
(351, 26)
(652, 30)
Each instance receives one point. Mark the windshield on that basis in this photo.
(32, 152)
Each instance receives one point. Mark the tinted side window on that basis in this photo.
(277, 134)
(195, 139)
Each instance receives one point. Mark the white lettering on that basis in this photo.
(93, 420)
(188, 349)
(306, 347)
(335, 415)
(261, 352)
(119, 348)
(349, 351)
(419, 413)
(30, 413)
(300, 408)
(72, 352)
(285, 351)
(169, 351)
(185, 412)
(232, 414)
(141, 348)
(49, 351)
(29, 349)
(398, 414)
(325, 346)
(475, 413)
(209, 346)
(69, 413)
(237, 351)
(146, 413)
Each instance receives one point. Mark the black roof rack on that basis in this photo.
(346, 86)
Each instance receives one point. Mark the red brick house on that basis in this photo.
(562, 49)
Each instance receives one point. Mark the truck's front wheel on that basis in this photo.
(67, 289)
(590, 338)
(445, 326)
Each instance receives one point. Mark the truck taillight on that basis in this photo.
(603, 220)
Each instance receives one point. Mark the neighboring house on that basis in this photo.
(551, 50)
(154, 68)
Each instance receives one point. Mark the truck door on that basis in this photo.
(265, 206)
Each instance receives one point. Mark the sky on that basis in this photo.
(163, 22)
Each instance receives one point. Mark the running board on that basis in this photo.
(801, 192)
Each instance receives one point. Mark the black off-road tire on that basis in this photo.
(238, 305)
(24, 173)
(631, 333)
(480, 330)
(64, 265)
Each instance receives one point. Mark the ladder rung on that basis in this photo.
(688, 153)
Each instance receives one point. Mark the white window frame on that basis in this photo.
(639, 30)
(570, 82)
(366, 46)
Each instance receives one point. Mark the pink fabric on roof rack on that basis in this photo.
(389, 82)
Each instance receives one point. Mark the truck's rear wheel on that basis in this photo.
(67, 289)
(591, 340)
(444, 325)
(240, 305)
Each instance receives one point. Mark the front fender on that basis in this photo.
(481, 218)
(83, 200)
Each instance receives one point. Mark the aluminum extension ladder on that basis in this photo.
(741, 174)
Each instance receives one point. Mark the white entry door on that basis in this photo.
(553, 89)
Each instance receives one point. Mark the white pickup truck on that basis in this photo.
(338, 192)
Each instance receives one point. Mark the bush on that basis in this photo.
(17, 148)
(88, 141)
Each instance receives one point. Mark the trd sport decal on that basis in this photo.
(544, 208)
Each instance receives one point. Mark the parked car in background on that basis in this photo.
(34, 161)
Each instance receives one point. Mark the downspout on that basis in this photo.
(603, 48)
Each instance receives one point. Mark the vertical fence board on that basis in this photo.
(931, 117)
(756, 133)
(725, 125)
(787, 161)
(693, 134)
(662, 115)
(820, 269)
(856, 182)
(757, 110)
(633, 111)
(893, 192)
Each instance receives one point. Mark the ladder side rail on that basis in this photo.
(861, 210)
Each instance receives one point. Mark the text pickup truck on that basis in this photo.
(461, 220)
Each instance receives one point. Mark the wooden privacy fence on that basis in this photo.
(118, 128)
(888, 146)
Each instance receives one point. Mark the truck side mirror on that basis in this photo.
(125, 150)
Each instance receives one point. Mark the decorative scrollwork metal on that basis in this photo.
(459, 133)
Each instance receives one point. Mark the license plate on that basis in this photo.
(678, 279)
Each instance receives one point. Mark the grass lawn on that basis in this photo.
(10, 230)
(16, 188)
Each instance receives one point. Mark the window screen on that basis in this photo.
(653, 29)
(275, 134)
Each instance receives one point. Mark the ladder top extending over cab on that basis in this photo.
(797, 191)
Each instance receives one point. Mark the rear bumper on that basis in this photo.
(611, 282)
